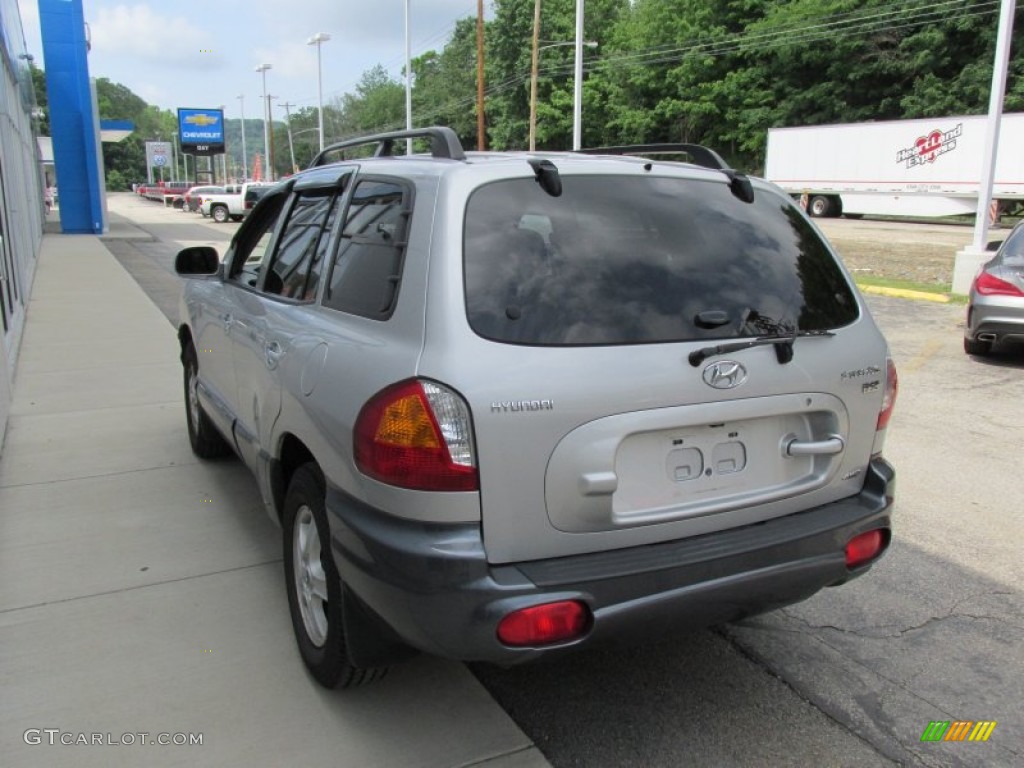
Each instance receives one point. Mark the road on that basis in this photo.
(852, 676)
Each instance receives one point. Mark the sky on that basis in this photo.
(204, 54)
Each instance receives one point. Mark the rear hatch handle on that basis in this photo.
(830, 446)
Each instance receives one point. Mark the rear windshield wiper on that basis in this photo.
(783, 346)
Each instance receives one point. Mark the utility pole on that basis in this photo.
(271, 171)
(481, 136)
(533, 75)
(291, 147)
(245, 155)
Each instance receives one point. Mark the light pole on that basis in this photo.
(245, 156)
(318, 39)
(262, 69)
(408, 81)
(533, 87)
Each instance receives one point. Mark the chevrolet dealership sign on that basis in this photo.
(201, 131)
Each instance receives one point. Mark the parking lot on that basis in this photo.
(164, 608)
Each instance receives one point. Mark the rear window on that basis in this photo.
(617, 260)
(252, 194)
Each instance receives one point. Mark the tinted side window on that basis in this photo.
(617, 260)
(367, 269)
(252, 244)
(294, 271)
(1012, 252)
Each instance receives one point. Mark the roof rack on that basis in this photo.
(701, 155)
(444, 143)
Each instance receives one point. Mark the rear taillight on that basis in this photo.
(865, 547)
(418, 435)
(545, 624)
(889, 401)
(989, 285)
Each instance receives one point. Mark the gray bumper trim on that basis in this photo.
(432, 584)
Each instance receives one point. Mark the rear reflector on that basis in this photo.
(865, 547)
(545, 624)
(889, 400)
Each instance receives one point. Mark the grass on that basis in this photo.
(910, 285)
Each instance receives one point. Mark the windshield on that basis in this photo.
(617, 260)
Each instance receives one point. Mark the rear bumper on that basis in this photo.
(433, 586)
(996, 317)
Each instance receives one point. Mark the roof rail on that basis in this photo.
(702, 156)
(444, 143)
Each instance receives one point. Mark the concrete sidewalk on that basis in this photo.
(141, 592)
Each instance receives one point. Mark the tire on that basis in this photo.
(314, 587)
(819, 206)
(978, 348)
(219, 214)
(207, 442)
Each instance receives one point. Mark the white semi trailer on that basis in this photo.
(929, 167)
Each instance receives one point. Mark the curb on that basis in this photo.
(904, 293)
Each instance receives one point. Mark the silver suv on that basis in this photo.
(506, 404)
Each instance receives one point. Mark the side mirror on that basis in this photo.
(199, 260)
(993, 245)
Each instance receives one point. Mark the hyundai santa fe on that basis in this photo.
(505, 405)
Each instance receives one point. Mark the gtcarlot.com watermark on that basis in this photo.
(55, 736)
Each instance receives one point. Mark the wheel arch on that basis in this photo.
(184, 339)
(292, 454)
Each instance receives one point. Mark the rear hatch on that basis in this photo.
(654, 358)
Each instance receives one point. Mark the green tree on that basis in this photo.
(377, 105)
(42, 99)
(444, 91)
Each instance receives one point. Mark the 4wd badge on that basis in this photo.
(724, 374)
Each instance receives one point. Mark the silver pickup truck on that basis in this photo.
(235, 203)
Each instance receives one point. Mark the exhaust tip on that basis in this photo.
(986, 337)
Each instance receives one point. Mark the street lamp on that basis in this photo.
(318, 39)
(408, 80)
(245, 156)
(262, 69)
(533, 88)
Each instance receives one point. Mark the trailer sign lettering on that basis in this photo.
(930, 146)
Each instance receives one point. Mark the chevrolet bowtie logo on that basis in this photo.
(201, 120)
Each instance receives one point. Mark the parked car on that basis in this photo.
(505, 405)
(995, 308)
(234, 203)
(194, 197)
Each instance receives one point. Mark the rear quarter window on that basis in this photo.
(627, 260)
